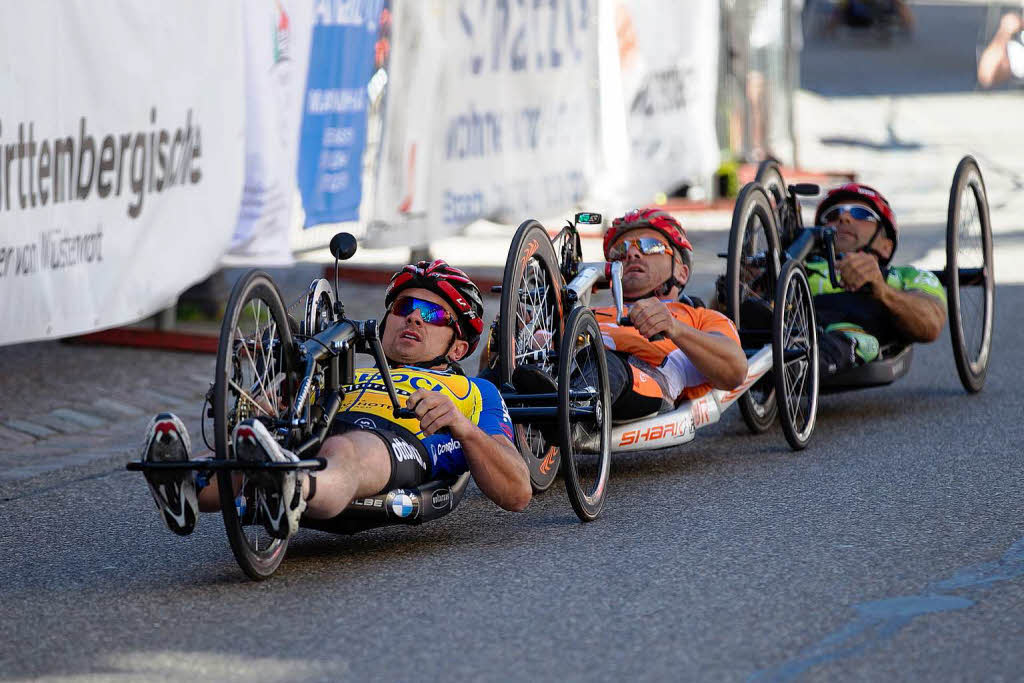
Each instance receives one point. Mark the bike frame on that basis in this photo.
(664, 430)
(333, 350)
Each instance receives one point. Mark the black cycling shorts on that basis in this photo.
(410, 462)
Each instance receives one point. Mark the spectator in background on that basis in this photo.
(865, 13)
(1004, 56)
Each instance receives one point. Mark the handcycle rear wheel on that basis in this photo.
(970, 280)
(254, 379)
(585, 440)
(795, 355)
(751, 273)
(770, 177)
(530, 331)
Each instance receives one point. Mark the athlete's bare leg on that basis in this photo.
(358, 465)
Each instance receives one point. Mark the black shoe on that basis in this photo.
(532, 379)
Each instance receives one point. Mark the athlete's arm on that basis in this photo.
(720, 359)
(496, 466)
(994, 62)
(917, 315)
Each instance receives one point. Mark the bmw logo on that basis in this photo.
(403, 504)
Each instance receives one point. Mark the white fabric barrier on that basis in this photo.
(492, 113)
(121, 134)
(277, 39)
(667, 54)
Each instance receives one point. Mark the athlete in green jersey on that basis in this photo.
(876, 303)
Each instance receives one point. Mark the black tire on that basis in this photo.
(969, 256)
(530, 287)
(770, 177)
(585, 443)
(753, 246)
(255, 356)
(795, 355)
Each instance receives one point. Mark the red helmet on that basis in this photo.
(863, 193)
(452, 285)
(655, 219)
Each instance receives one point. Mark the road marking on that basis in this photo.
(116, 407)
(879, 621)
(84, 419)
(59, 424)
(30, 428)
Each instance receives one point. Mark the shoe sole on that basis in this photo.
(180, 517)
(257, 446)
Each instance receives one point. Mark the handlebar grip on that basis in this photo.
(404, 414)
(626, 322)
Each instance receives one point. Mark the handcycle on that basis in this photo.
(768, 245)
(293, 381)
(544, 319)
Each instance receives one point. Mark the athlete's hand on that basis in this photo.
(435, 412)
(651, 316)
(857, 269)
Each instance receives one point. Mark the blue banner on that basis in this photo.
(333, 137)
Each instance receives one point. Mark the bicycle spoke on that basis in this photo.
(242, 394)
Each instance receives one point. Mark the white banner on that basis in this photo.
(668, 57)
(277, 36)
(122, 133)
(401, 188)
(509, 128)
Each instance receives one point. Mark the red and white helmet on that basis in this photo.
(452, 285)
(868, 195)
(654, 219)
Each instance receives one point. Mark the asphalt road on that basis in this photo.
(891, 549)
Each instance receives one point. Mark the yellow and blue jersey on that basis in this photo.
(477, 399)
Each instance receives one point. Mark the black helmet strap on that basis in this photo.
(869, 249)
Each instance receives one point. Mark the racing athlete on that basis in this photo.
(671, 350)
(877, 303)
(434, 318)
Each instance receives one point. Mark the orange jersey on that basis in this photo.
(684, 380)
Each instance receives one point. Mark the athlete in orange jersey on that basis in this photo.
(694, 350)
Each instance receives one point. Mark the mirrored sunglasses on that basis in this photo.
(431, 313)
(645, 245)
(856, 211)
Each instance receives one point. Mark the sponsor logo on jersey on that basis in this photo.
(366, 423)
(445, 448)
(404, 451)
(368, 502)
(442, 498)
(374, 386)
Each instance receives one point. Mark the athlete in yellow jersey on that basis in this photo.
(434, 319)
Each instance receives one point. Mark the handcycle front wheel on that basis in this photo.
(970, 280)
(254, 379)
(751, 273)
(584, 414)
(795, 355)
(530, 331)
